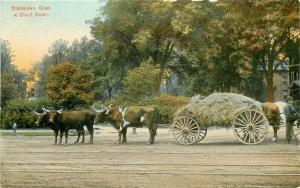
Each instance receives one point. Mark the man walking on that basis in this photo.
(291, 117)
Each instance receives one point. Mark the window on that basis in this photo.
(285, 79)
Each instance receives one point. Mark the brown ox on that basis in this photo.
(133, 116)
(272, 113)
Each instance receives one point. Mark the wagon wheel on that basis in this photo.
(250, 126)
(202, 134)
(186, 130)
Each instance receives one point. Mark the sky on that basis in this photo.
(31, 26)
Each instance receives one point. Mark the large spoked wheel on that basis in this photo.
(202, 134)
(250, 126)
(186, 130)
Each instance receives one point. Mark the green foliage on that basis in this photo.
(68, 85)
(22, 112)
(9, 89)
(83, 53)
(12, 80)
(141, 82)
(166, 104)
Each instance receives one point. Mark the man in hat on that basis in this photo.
(291, 117)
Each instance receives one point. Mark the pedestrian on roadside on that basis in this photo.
(14, 129)
(291, 117)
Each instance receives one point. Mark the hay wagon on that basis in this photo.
(225, 110)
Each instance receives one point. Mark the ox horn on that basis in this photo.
(59, 111)
(45, 110)
(109, 107)
(97, 110)
(39, 113)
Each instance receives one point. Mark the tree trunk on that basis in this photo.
(159, 80)
(270, 92)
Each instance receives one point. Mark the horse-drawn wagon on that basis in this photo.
(224, 110)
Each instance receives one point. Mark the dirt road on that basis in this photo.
(220, 161)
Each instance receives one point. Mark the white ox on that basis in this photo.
(281, 106)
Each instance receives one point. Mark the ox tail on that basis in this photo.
(155, 121)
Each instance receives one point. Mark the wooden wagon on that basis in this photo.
(249, 124)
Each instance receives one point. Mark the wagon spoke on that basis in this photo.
(259, 122)
(254, 118)
(240, 124)
(255, 134)
(245, 121)
(258, 118)
(247, 117)
(241, 129)
(259, 131)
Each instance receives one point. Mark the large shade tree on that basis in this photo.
(271, 29)
(68, 85)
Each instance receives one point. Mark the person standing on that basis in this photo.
(291, 117)
(14, 129)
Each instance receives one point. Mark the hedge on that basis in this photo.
(21, 111)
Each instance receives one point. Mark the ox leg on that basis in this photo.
(275, 137)
(124, 132)
(60, 136)
(91, 131)
(82, 141)
(152, 135)
(55, 135)
(119, 138)
(78, 136)
(66, 137)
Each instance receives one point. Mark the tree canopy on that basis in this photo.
(68, 85)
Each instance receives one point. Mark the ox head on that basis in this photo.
(100, 114)
(42, 117)
(47, 116)
(53, 116)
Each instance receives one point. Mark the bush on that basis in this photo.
(22, 112)
(167, 105)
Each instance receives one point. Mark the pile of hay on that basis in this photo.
(217, 109)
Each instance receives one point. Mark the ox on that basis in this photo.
(73, 120)
(43, 119)
(133, 116)
(272, 113)
(281, 106)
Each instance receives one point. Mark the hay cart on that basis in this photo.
(225, 110)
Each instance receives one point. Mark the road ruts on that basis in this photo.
(220, 161)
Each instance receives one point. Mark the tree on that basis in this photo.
(58, 50)
(12, 80)
(80, 52)
(133, 30)
(6, 56)
(271, 27)
(9, 89)
(140, 82)
(68, 85)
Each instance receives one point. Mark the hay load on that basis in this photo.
(217, 109)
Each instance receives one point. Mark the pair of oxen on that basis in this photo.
(119, 117)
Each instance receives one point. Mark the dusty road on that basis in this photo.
(220, 161)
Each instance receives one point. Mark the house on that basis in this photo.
(281, 81)
(294, 74)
